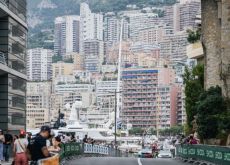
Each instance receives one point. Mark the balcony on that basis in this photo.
(3, 59)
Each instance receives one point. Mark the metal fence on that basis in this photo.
(213, 154)
(71, 150)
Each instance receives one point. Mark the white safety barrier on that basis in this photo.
(96, 149)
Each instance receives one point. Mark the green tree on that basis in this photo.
(194, 86)
(213, 117)
(55, 59)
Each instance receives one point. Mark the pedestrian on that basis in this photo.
(2, 140)
(37, 146)
(29, 136)
(72, 139)
(19, 149)
(85, 139)
(7, 145)
(78, 140)
(192, 140)
(56, 141)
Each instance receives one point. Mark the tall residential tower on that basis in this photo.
(13, 38)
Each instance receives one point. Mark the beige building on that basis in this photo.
(38, 104)
(62, 68)
(153, 35)
(36, 117)
(78, 62)
(147, 61)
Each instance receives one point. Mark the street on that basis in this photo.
(123, 161)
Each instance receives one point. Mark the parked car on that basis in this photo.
(165, 154)
(145, 153)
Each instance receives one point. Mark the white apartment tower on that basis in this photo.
(39, 62)
(67, 29)
(91, 25)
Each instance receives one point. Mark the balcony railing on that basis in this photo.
(4, 2)
(2, 58)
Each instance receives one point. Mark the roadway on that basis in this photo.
(123, 161)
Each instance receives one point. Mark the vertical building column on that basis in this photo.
(211, 39)
(224, 13)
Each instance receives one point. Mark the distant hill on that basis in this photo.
(41, 14)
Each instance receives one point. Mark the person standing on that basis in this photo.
(29, 136)
(37, 146)
(7, 145)
(2, 140)
(19, 149)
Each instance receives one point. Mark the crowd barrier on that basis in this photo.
(96, 149)
(212, 154)
(72, 149)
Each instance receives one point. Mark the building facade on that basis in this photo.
(91, 25)
(67, 34)
(13, 39)
(39, 64)
(61, 69)
(148, 98)
(93, 55)
(38, 104)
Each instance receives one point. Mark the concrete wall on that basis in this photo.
(216, 43)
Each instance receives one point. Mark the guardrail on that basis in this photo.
(212, 154)
(69, 150)
(96, 149)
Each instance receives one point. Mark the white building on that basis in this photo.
(67, 29)
(91, 25)
(39, 64)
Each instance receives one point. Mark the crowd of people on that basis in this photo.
(26, 148)
(191, 139)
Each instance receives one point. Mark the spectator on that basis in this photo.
(29, 136)
(2, 140)
(19, 149)
(72, 139)
(85, 139)
(15, 137)
(56, 141)
(78, 139)
(7, 145)
(192, 140)
(37, 146)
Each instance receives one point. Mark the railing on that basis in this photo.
(2, 58)
(212, 154)
(70, 150)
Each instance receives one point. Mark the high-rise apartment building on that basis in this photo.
(188, 12)
(174, 46)
(181, 16)
(93, 51)
(112, 28)
(67, 34)
(91, 25)
(39, 64)
(13, 64)
(154, 34)
(148, 97)
(139, 21)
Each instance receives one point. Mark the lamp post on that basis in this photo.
(115, 119)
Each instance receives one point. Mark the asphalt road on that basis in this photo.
(123, 161)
